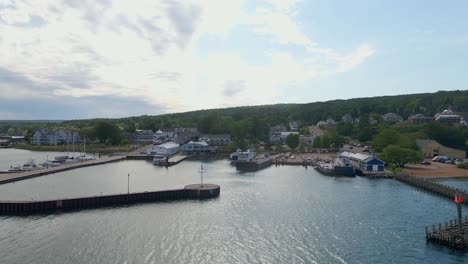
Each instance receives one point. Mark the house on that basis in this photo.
(293, 126)
(144, 136)
(166, 132)
(347, 118)
(367, 164)
(195, 147)
(448, 117)
(165, 149)
(184, 135)
(275, 132)
(216, 139)
(432, 148)
(328, 123)
(392, 118)
(420, 119)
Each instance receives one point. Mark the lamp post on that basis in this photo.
(128, 184)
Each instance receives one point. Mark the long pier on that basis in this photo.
(194, 191)
(453, 234)
(432, 186)
(18, 176)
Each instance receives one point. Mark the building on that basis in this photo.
(347, 118)
(420, 119)
(293, 126)
(14, 139)
(328, 123)
(246, 156)
(165, 149)
(68, 136)
(144, 136)
(184, 135)
(195, 147)
(45, 137)
(448, 117)
(284, 135)
(392, 118)
(432, 148)
(216, 139)
(365, 163)
(169, 133)
(275, 132)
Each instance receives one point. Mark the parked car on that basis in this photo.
(442, 159)
(425, 162)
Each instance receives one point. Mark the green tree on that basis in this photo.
(107, 132)
(11, 131)
(317, 143)
(292, 141)
(400, 156)
(385, 138)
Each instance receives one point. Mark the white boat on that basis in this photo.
(30, 165)
(15, 169)
(159, 159)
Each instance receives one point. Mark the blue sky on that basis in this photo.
(85, 59)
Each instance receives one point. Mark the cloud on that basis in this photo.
(151, 52)
(234, 87)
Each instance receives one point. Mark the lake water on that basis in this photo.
(286, 214)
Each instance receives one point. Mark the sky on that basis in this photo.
(104, 58)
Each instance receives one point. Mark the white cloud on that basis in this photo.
(150, 50)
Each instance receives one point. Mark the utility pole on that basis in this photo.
(128, 184)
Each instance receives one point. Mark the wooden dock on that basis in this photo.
(18, 176)
(194, 191)
(453, 234)
(431, 186)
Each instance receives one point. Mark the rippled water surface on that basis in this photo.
(286, 214)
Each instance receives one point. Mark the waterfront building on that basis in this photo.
(392, 118)
(4, 142)
(68, 136)
(166, 132)
(367, 164)
(195, 147)
(216, 139)
(432, 148)
(165, 149)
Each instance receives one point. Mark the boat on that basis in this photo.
(15, 169)
(159, 159)
(337, 169)
(29, 166)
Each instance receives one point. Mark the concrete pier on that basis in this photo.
(18, 176)
(194, 191)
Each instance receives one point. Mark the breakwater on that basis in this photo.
(432, 186)
(194, 191)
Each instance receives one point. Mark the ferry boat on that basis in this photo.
(240, 156)
(159, 159)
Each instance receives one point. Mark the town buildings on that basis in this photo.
(392, 118)
(216, 139)
(420, 119)
(46, 137)
(448, 117)
(365, 163)
(195, 147)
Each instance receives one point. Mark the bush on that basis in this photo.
(463, 166)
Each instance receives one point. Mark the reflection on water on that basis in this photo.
(281, 214)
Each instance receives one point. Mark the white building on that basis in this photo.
(293, 125)
(45, 137)
(285, 135)
(165, 149)
(246, 156)
(448, 116)
(195, 147)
